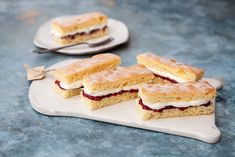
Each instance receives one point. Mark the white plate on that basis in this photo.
(117, 29)
(44, 100)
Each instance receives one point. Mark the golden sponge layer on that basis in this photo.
(159, 80)
(81, 68)
(170, 113)
(154, 93)
(171, 66)
(118, 78)
(67, 24)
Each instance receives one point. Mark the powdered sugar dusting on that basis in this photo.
(119, 73)
(171, 62)
(180, 88)
(87, 63)
(77, 19)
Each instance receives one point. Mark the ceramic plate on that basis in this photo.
(118, 30)
(44, 100)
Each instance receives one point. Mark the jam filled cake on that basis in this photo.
(68, 79)
(175, 100)
(76, 29)
(114, 86)
(169, 70)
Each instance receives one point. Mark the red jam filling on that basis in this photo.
(82, 33)
(166, 78)
(58, 83)
(98, 98)
(167, 107)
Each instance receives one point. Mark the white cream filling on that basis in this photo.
(74, 85)
(157, 106)
(87, 30)
(112, 91)
(164, 74)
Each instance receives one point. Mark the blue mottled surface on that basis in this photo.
(197, 32)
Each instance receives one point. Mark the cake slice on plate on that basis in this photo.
(79, 28)
(175, 100)
(114, 86)
(68, 79)
(169, 70)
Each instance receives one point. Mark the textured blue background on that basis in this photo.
(197, 32)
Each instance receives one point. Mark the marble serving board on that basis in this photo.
(117, 30)
(45, 101)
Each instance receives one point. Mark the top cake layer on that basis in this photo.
(81, 68)
(118, 78)
(67, 24)
(188, 91)
(177, 71)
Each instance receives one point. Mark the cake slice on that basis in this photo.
(68, 79)
(114, 86)
(79, 28)
(175, 100)
(169, 70)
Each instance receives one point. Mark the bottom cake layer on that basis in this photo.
(94, 104)
(66, 93)
(81, 38)
(147, 114)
